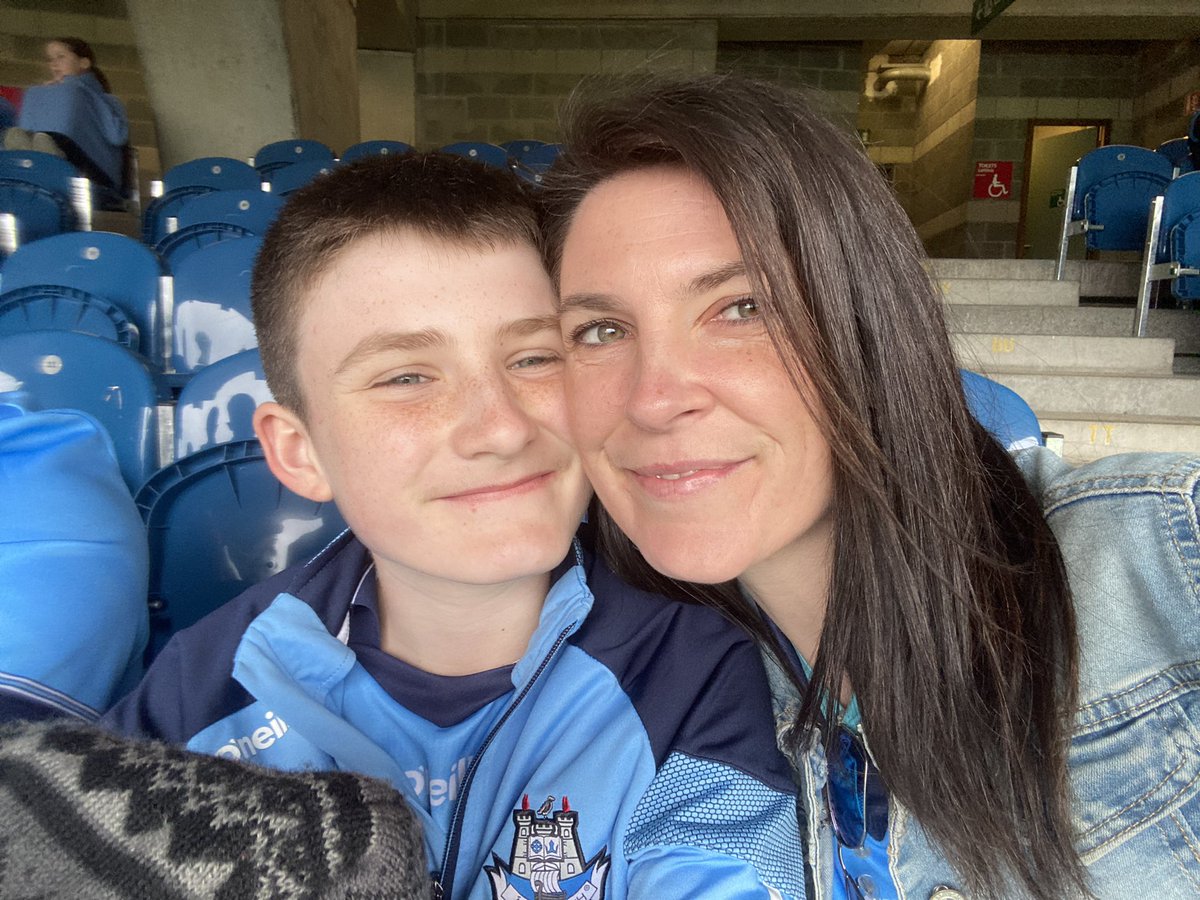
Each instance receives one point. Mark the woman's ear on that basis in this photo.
(290, 453)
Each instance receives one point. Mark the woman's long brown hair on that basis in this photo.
(949, 609)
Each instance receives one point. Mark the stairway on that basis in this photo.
(1074, 361)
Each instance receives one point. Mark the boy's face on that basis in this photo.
(435, 413)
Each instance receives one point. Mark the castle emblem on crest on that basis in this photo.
(546, 862)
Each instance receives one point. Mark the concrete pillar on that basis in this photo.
(227, 76)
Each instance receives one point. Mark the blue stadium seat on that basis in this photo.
(44, 193)
(1108, 196)
(60, 308)
(217, 216)
(536, 162)
(480, 150)
(68, 370)
(219, 522)
(93, 271)
(291, 178)
(1179, 153)
(1002, 411)
(279, 154)
(375, 148)
(189, 179)
(1172, 251)
(518, 149)
(211, 304)
(217, 404)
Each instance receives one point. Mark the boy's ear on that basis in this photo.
(289, 451)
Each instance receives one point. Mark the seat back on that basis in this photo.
(252, 208)
(217, 404)
(289, 179)
(68, 370)
(274, 156)
(211, 290)
(106, 266)
(187, 180)
(217, 216)
(518, 149)
(480, 150)
(1180, 233)
(58, 308)
(216, 173)
(219, 522)
(375, 148)
(37, 189)
(1114, 187)
(1002, 411)
(1177, 152)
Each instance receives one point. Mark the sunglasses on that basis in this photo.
(856, 798)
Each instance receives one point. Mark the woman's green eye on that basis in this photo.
(600, 333)
(746, 308)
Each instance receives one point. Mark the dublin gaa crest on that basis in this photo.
(546, 862)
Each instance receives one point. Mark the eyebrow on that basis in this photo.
(407, 341)
(706, 281)
(390, 341)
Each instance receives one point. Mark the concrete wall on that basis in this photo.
(1020, 82)
(937, 197)
(831, 72)
(499, 80)
(387, 96)
(322, 40)
(218, 75)
(1169, 71)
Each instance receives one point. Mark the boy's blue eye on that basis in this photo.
(530, 362)
(599, 333)
(407, 378)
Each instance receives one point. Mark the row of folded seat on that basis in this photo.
(1128, 198)
(42, 195)
(217, 520)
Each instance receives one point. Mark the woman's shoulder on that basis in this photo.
(1058, 484)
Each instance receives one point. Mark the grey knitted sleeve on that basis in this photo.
(85, 814)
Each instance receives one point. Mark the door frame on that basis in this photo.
(1104, 129)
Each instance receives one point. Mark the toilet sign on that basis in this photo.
(993, 180)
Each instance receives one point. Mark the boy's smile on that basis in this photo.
(434, 409)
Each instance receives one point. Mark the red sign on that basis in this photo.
(993, 180)
(1192, 102)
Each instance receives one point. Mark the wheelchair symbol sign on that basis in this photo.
(993, 179)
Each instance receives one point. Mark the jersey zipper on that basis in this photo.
(443, 885)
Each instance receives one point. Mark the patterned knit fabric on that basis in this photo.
(84, 815)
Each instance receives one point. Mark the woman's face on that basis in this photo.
(63, 62)
(691, 431)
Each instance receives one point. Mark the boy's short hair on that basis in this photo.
(437, 194)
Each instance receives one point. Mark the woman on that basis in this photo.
(1004, 663)
(74, 115)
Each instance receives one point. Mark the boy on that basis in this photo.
(559, 733)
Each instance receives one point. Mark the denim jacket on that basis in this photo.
(1129, 533)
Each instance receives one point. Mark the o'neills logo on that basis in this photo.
(260, 738)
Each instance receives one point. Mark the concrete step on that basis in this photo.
(1085, 439)
(1036, 353)
(1009, 291)
(1105, 397)
(1183, 326)
(1096, 278)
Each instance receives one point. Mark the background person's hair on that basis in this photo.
(437, 194)
(949, 608)
(83, 50)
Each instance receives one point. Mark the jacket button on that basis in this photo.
(942, 892)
